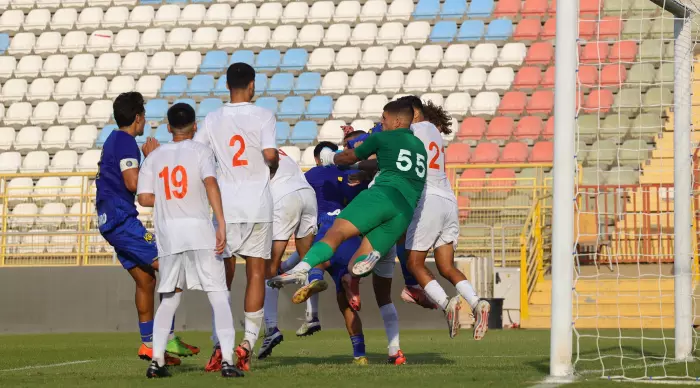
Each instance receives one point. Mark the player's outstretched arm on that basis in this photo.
(214, 195)
(146, 199)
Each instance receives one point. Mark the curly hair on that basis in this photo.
(438, 117)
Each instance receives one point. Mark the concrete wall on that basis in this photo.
(101, 299)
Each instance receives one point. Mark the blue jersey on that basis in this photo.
(332, 189)
(114, 202)
(376, 129)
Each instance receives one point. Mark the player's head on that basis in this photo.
(397, 114)
(417, 105)
(320, 146)
(129, 113)
(352, 135)
(181, 121)
(240, 81)
(427, 111)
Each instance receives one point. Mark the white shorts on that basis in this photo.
(249, 240)
(385, 265)
(195, 270)
(435, 223)
(296, 213)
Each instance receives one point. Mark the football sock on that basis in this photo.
(214, 337)
(312, 308)
(162, 323)
(223, 318)
(315, 274)
(319, 253)
(391, 326)
(437, 294)
(358, 345)
(146, 329)
(270, 307)
(467, 292)
(253, 321)
(403, 259)
(291, 261)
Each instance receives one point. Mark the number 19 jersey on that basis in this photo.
(436, 183)
(174, 173)
(238, 133)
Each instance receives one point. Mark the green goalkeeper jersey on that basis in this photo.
(402, 161)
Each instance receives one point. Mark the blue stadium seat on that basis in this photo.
(282, 132)
(214, 62)
(208, 105)
(267, 103)
(186, 101)
(307, 84)
(220, 88)
(453, 9)
(4, 43)
(104, 133)
(202, 1)
(500, 29)
(304, 132)
(471, 30)
(260, 84)
(150, 2)
(267, 61)
(156, 109)
(281, 84)
(444, 31)
(162, 134)
(294, 60)
(320, 108)
(146, 133)
(201, 86)
(291, 108)
(245, 56)
(173, 87)
(426, 9)
(480, 9)
(174, 2)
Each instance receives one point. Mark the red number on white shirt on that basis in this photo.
(179, 182)
(433, 162)
(237, 161)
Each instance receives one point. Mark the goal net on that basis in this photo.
(633, 306)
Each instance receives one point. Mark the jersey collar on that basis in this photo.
(408, 130)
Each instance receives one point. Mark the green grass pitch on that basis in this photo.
(508, 358)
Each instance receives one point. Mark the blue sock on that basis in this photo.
(315, 274)
(146, 329)
(358, 345)
(403, 258)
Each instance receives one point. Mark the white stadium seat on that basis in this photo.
(390, 82)
(401, 58)
(307, 158)
(99, 112)
(94, 88)
(204, 39)
(295, 13)
(374, 58)
(346, 107)
(55, 138)
(331, 131)
(512, 54)
(21, 44)
(14, 90)
(74, 42)
(293, 152)
(337, 36)
(483, 55)
(141, 17)
(152, 40)
(283, 37)
(188, 62)
(7, 138)
(64, 19)
(243, 14)
(88, 161)
(363, 125)
(83, 138)
(457, 105)
(23, 218)
(373, 11)
(35, 161)
(72, 113)
(66, 242)
(99, 42)
(373, 106)
(10, 162)
(11, 20)
(24, 5)
(348, 59)
(456, 56)
(73, 3)
(363, 35)
(417, 81)
(320, 60)
(178, 39)
(230, 37)
(217, 15)
(133, 64)
(148, 86)
(66, 89)
(55, 66)
(416, 33)
(7, 66)
(126, 41)
(269, 14)
(310, 36)
(45, 114)
(390, 34)
(257, 37)
(37, 20)
(90, 19)
(362, 83)
(500, 79)
(71, 191)
(347, 11)
(321, 12)
(81, 66)
(429, 57)
(40, 90)
(127, 3)
(47, 189)
(115, 18)
(472, 80)
(51, 216)
(28, 139)
(18, 114)
(161, 63)
(18, 190)
(50, 5)
(485, 104)
(64, 161)
(28, 66)
(334, 83)
(192, 15)
(444, 81)
(107, 64)
(435, 98)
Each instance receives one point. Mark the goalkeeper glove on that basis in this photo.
(326, 156)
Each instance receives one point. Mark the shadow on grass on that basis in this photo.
(374, 359)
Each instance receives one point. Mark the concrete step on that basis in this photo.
(666, 322)
(610, 310)
(623, 297)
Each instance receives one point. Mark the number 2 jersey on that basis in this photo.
(436, 183)
(175, 173)
(238, 133)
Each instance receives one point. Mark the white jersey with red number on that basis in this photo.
(288, 178)
(436, 182)
(238, 133)
(175, 174)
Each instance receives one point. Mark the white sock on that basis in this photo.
(467, 292)
(312, 308)
(290, 263)
(253, 321)
(270, 307)
(391, 326)
(437, 294)
(214, 336)
(161, 324)
(224, 323)
(301, 267)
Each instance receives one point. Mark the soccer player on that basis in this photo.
(242, 137)
(179, 179)
(295, 214)
(135, 247)
(435, 225)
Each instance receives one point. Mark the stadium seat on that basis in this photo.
(94, 88)
(426, 10)
(7, 67)
(83, 138)
(501, 181)
(428, 57)
(14, 90)
(73, 42)
(89, 19)
(244, 56)
(162, 135)
(472, 129)
(295, 13)
(269, 14)
(192, 15)
(292, 151)
(18, 114)
(400, 10)
(346, 107)
(542, 152)
(457, 105)
(230, 37)
(267, 103)
(547, 81)
(45, 45)
(70, 194)
(373, 11)
(267, 61)
(257, 37)
(63, 20)
(35, 162)
(549, 30)
(528, 128)
(373, 106)
(615, 127)
(375, 58)
(363, 35)
(11, 20)
(528, 78)
(310, 36)
(456, 56)
(337, 36)
(321, 60)
(480, 9)
(155, 110)
(178, 39)
(363, 82)
(99, 42)
(347, 11)
(417, 81)
(540, 54)
(472, 80)
(646, 126)
(148, 86)
(115, 18)
(457, 153)
(390, 34)
(348, 59)
(203, 39)
(135, 63)
(541, 103)
(260, 84)
(483, 55)
(220, 89)
(512, 104)
(636, 28)
(664, 75)
(7, 138)
(307, 84)
(214, 62)
(331, 131)
(243, 14)
(126, 41)
(294, 60)
(485, 153)
(283, 37)
(402, 57)
(320, 108)
(500, 79)
(587, 77)
(108, 65)
(28, 139)
(444, 80)
(120, 84)
(46, 189)
(453, 9)
(200, 87)
(291, 109)
(303, 133)
(161, 63)
(536, 8)
(500, 129)
(599, 101)
(282, 132)
(610, 28)
(657, 99)
(23, 219)
(18, 190)
(613, 76)
(444, 32)
(363, 125)
(281, 85)
(28, 67)
(307, 158)
(104, 133)
(471, 30)
(499, 30)
(152, 40)
(508, 9)
(485, 104)
(527, 30)
(188, 62)
(471, 182)
(45, 114)
(88, 161)
(389, 82)
(166, 16)
(514, 152)
(416, 33)
(22, 44)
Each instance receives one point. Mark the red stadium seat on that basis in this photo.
(500, 128)
(623, 51)
(548, 78)
(549, 31)
(595, 52)
(599, 100)
(512, 103)
(609, 28)
(541, 103)
(588, 76)
(501, 180)
(529, 127)
(472, 128)
(527, 78)
(552, 9)
(515, 152)
(587, 29)
(471, 181)
(485, 153)
(589, 7)
(527, 29)
(540, 54)
(536, 8)
(463, 204)
(508, 9)
(549, 129)
(613, 75)
(457, 153)
(542, 152)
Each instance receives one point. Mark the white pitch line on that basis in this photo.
(46, 366)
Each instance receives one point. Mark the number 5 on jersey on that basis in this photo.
(237, 157)
(179, 180)
(404, 163)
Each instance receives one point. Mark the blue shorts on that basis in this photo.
(341, 258)
(133, 244)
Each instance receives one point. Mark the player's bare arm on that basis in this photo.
(345, 158)
(272, 159)
(131, 179)
(146, 199)
(214, 195)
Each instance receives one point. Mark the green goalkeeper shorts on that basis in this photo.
(381, 214)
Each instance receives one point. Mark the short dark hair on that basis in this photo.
(324, 144)
(354, 133)
(401, 108)
(239, 75)
(181, 115)
(415, 102)
(126, 107)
